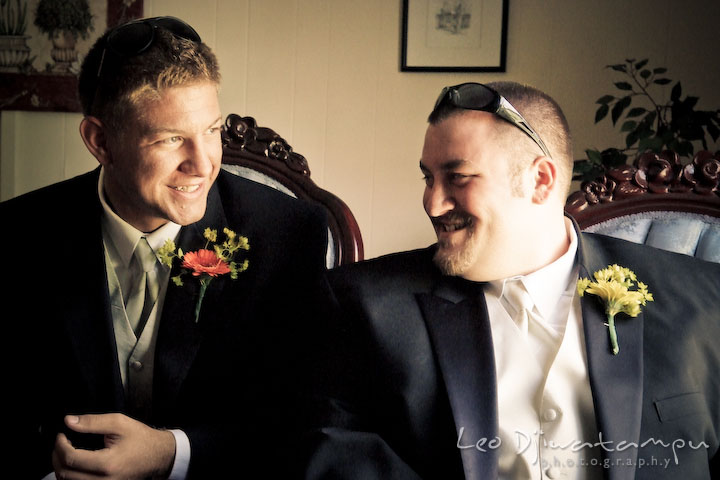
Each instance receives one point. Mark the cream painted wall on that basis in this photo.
(325, 75)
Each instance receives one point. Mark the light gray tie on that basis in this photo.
(144, 291)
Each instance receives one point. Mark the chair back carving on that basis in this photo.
(657, 201)
(260, 154)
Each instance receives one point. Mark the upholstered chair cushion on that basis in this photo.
(681, 232)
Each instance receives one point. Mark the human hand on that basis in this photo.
(132, 449)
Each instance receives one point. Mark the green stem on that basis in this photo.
(613, 334)
(203, 287)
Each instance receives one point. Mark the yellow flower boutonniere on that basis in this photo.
(205, 263)
(612, 285)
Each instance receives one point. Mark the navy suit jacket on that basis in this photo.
(226, 381)
(411, 362)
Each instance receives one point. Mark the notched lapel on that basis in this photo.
(460, 332)
(616, 380)
(87, 320)
(88, 325)
(179, 336)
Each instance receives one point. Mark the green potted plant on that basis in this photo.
(71, 16)
(64, 21)
(13, 47)
(650, 125)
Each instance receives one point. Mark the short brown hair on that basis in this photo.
(170, 61)
(541, 111)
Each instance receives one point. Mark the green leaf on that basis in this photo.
(650, 143)
(713, 131)
(618, 108)
(594, 156)
(684, 149)
(605, 99)
(645, 74)
(641, 64)
(659, 70)
(631, 138)
(620, 67)
(662, 81)
(628, 126)
(586, 171)
(644, 131)
(650, 118)
(676, 92)
(612, 157)
(623, 85)
(601, 112)
(635, 112)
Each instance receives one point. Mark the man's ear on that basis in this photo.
(545, 178)
(92, 132)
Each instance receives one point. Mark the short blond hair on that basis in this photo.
(169, 62)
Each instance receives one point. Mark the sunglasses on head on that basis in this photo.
(135, 37)
(476, 96)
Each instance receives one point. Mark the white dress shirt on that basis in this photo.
(545, 405)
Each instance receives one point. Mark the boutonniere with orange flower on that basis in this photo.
(207, 263)
(612, 285)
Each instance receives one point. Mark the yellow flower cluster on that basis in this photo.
(226, 251)
(612, 284)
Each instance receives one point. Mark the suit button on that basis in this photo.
(550, 415)
(136, 365)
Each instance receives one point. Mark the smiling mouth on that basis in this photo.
(452, 222)
(187, 188)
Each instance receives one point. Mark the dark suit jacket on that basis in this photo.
(226, 381)
(412, 362)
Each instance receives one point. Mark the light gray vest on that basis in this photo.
(136, 356)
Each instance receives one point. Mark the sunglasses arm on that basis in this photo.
(508, 112)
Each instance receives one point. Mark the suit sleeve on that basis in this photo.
(340, 439)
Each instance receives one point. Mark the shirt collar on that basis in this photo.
(123, 235)
(549, 283)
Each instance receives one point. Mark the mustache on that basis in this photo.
(454, 217)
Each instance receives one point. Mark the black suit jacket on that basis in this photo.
(412, 362)
(227, 381)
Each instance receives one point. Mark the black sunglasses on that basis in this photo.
(135, 37)
(476, 96)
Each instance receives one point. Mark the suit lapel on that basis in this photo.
(616, 380)
(179, 335)
(88, 321)
(460, 332)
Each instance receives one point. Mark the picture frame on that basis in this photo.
(454, 35)
(41, 73)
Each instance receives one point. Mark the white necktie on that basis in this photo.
(144, 290)
(519, 304)
(542, 340)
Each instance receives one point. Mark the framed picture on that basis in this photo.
(454, 35)
(43, 44)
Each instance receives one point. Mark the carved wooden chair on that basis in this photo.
(656, 201)
(261, 155)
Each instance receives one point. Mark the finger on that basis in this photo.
(71, 463)
(102, 424)
(62, 447)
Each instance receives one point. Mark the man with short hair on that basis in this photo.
(477, 357)
(124, 373)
